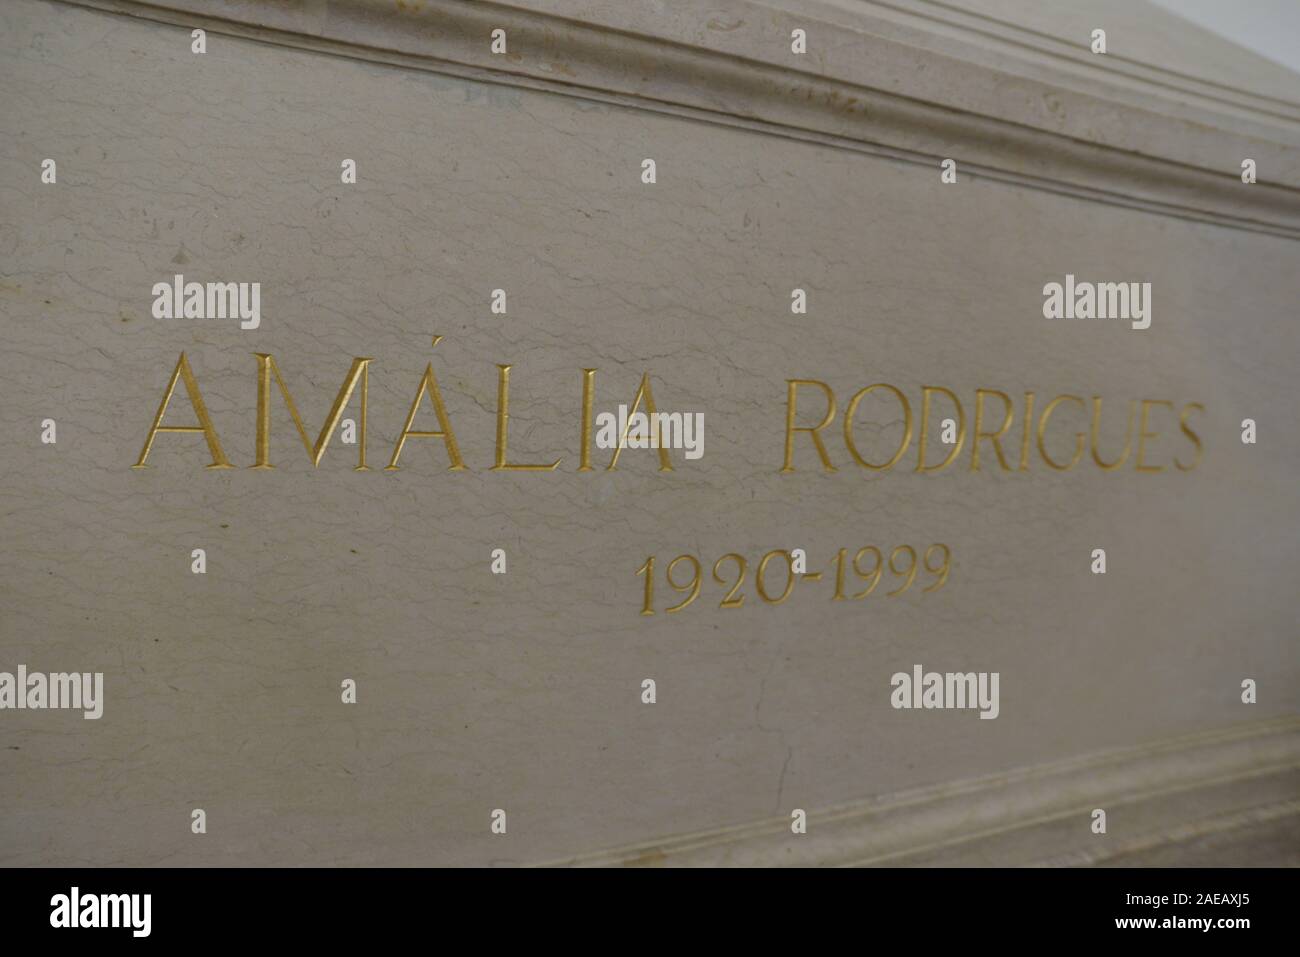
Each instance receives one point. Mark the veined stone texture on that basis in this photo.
(522, 691)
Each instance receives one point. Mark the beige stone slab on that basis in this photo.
(522, 692)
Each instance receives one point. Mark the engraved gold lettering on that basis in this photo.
(643, 390)
(266, 367)
(848, 427)
(1196, 439)
(1042, 433)
(183, 372)
(1096, 431)
(1024, 441)
(588, 400)
(429, 384)
(760, 584)
(792, 386)
(996, 437)
(734, 598)
(1143, 435)
(503, 426)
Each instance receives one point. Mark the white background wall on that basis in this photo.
(1271, 28)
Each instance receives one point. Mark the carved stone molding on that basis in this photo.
(1155, 795)
(1005, 103)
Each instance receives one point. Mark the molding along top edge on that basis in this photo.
(1134, 70)
(1032, 125)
